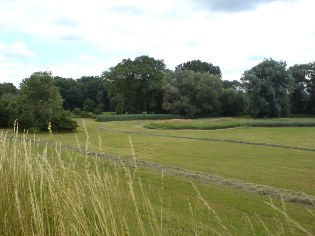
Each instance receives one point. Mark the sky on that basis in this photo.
(74, 38)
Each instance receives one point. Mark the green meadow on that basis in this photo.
(157, 200)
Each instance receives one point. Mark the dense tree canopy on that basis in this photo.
(8, 104)
(299, 95)
(192, 93)
(199, 66)
(145, 85)
(95, 88)
(311, 87)
(135, 85)
(71, 92)
(7, 88)
(232, 101)
(267, 85)
(8, 109)
(40, 102)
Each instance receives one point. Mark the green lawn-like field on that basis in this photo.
(272, 166)
(277, 167)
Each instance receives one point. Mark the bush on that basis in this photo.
(77, 112)
(88, 105)
(87, 115)
(63, 122)
(97, 111)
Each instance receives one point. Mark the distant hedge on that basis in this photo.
(191, 125)
(224, 125)
(273, 123)
(126, 117)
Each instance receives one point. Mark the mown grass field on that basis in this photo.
(250, 163)
(184, 212)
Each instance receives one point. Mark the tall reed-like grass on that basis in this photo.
(45, 191)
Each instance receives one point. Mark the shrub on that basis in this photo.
(77, 112)
(97, 111)
(63, 122)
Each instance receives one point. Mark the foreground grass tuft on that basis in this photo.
(46, 193)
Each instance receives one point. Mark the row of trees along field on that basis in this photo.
(144, 84)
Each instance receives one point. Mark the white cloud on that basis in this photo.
(72, 70)
(14, 72)
(173, 30)
(86, 58)
(15, 50)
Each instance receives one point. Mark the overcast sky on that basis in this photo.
(73, 38)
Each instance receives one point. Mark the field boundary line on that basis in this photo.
(213, 140)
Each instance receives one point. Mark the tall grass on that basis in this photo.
(46, 193)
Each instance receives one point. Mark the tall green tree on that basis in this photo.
(136, 85)
(7, 88)
(311, 87)
(232, 98)
(192, 93)
(299, 96)
(95, 88)
(88, 105)
(40, 102)
(267, 85)
(234, 84)
(71, 92)
(232, 102)
(8, 109)
(200, 66)
(122, 85)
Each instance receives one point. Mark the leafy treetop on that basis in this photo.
(199, 66)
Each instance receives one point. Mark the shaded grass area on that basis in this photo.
(225, 123)
(47, 191)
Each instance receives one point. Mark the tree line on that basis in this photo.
(194, 88)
